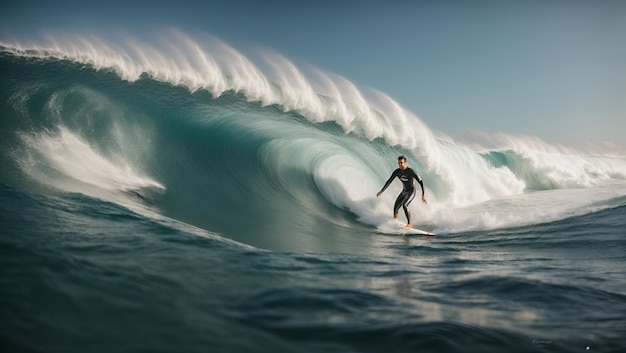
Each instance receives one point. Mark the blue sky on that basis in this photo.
(554, 69)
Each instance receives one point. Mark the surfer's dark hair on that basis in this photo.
(402, 158)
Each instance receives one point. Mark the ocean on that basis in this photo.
(184, 197)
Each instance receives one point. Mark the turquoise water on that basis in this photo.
(147, 209)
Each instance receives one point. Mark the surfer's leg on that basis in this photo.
(409, 196)
(408, 215)
(397, 205)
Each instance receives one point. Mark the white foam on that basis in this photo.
(63, 160)
(530, 208)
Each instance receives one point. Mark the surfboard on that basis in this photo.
(417, 231)
(396, 228)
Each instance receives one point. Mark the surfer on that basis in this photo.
(406, 176)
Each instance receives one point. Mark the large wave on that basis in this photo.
(259, 148)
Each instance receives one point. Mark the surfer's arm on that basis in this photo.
(393, 175)
(419, 180)
(421, 185)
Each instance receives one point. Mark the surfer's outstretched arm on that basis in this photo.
(393, 175)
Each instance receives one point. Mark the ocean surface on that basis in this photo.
(180, 196)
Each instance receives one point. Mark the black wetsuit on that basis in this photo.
(407, 195)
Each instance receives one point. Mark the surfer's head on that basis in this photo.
(402, 162)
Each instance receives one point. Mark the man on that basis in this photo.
(406, 176)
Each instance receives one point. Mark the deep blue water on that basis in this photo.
(147, 214)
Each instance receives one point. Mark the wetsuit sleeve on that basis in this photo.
(393, 175)
(419, 180)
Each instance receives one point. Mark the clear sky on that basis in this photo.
(554, 69)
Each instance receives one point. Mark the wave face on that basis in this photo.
(259, 152)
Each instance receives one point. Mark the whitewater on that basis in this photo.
(180, 191)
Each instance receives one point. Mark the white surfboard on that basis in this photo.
(417, 231)
(397, 228)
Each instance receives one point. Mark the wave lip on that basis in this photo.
(214, 66)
